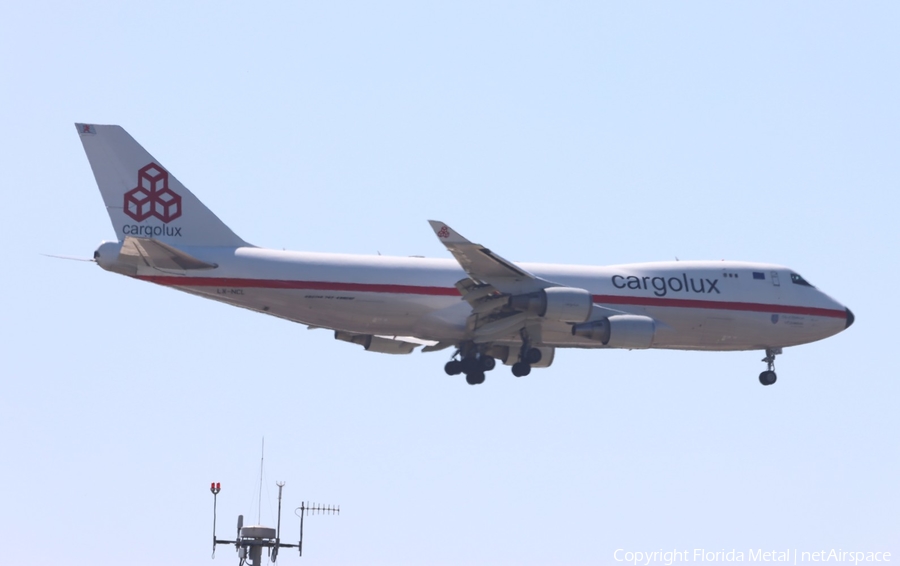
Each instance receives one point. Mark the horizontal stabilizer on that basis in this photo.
(158, 255)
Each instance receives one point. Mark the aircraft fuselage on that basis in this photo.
(705, 305)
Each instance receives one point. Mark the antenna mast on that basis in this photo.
(262, 457)
(251, 540)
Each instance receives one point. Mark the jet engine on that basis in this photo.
(628, 331)
(565, 304)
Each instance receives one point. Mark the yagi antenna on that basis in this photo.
(313, 509)
(251, 540)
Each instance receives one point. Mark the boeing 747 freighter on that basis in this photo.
(481, 307)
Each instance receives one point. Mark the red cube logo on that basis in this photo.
(152, 196)
(138, 204)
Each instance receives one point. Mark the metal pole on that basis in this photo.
(302, 513)
(278, 531)
(215, 488)
(262, 457)
(215, 499)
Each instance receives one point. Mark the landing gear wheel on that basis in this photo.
(767, 377)
(487, 363)
(532, 356)
(470, 364)
(475, 378)
(521, 369)
(453, 367)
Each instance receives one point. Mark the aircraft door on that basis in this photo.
(775, 280)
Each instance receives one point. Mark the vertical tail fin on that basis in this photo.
(143, 199)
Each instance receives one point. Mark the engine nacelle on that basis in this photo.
(565, 304)
(628, 331)
(376, 343)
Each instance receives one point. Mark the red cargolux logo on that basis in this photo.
(152, 196)
(444, 232)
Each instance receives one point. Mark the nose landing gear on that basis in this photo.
(768, 377)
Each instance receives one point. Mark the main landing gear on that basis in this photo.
(768, 377)
(473, 363)
(527, 357)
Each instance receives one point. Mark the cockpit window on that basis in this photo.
(796, 279)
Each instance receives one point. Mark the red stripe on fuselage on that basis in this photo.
(450, 291)
(718, 305)
(286, 284)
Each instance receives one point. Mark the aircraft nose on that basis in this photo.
(850, 318)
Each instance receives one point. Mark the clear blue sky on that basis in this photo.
(589, 133)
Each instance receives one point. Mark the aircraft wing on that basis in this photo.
(488, 271)
(492, 281)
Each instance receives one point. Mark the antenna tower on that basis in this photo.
(251, 540)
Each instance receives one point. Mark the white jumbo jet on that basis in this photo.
(484, 307)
